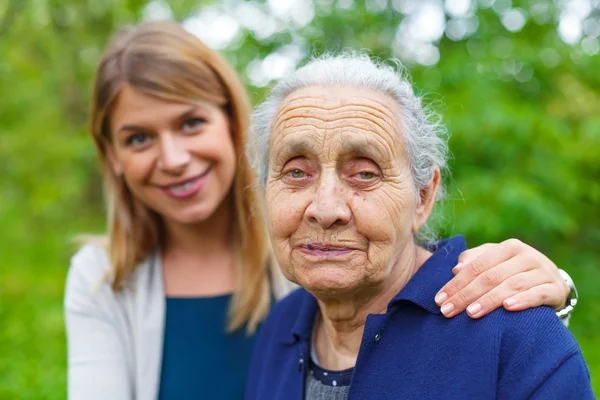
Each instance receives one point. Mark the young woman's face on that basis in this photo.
(177, 158)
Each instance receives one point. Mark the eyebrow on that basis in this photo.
(299, 147)
(191, 111)
(294, 147)
(363, 149)
(131, 128)
(367, 149)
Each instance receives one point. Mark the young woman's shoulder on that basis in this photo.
(88, 279)
(97, 321)
(89, 267)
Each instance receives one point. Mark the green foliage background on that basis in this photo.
(523, 109)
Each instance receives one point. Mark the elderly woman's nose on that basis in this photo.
(174, 154)
(329, 206)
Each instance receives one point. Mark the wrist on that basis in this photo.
(572, 297)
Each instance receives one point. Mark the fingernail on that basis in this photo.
(447, 308)
(457, 268)
(440, 297)
(510, 302)
(473, 309)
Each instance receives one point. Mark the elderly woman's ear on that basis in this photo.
(427, 197)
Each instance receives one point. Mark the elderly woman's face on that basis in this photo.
(340, 197)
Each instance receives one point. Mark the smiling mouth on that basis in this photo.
(186, 188)
(325, 250)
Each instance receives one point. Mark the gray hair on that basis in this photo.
(424, 135)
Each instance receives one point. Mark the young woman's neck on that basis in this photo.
(199, 260)
(213, 235)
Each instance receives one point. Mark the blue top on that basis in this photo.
(200, 359)
(414, 352)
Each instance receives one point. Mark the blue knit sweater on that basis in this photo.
(414, 352)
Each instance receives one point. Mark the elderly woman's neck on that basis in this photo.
(340, 326)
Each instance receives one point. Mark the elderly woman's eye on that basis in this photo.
(296, 173)
(366, 175)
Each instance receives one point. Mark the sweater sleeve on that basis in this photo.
(97, 367)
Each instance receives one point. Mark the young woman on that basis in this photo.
(168, 307)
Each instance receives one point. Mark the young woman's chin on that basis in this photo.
(192, 215)
(187, 212)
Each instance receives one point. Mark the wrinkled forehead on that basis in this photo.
(344, 119)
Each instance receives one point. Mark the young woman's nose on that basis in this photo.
(174, 155)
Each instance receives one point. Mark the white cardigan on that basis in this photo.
(115, 339)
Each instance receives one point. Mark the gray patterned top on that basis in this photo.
(315, 390)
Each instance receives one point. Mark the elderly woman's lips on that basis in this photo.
(324, 250)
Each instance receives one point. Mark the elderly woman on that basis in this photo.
(352, 172)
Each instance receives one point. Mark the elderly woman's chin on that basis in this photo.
(331, 278)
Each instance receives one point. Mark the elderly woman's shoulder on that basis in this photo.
(534, 343)
(536, 351)
(533, 329)
(528, 322)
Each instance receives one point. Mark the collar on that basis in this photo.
(432, 275)
(303, 324)
(420, 289)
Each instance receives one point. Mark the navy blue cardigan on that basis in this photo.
(414, 352)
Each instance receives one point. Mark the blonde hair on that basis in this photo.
(161, 59)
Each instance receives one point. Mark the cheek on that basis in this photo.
(137, 168)
(285, 209)
(227, 157)
(217, 146)
(384, 218)
(226, 145)
(378, 215)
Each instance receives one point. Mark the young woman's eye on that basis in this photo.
(296, 174)
(137, 139)
(193, 124)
